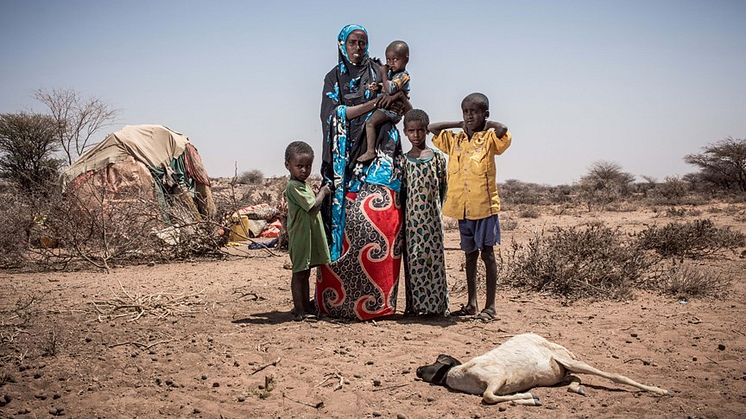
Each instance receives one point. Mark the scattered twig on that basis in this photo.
(139, 344)
(270, 364)
(644, 362)
(318, 405)
(253, 294)
(712, 360)
(330, 376)
(133, 307)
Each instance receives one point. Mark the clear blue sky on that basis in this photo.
(640, 83)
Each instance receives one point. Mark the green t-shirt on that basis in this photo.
(306, 237)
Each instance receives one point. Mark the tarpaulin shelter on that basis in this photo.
(145, 161)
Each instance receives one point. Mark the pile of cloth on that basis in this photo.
(255, 221)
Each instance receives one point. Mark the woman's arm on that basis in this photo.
(437, 127)
(361, 109)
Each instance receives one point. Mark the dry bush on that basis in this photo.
(251, 177)
(675, 212)
(528, 212)
(685, 281)
(100, 231)
(671, 191)
(604, 183)
(95, 226)
(514, 192)
(508, 223)
(694, 239)
(577, 262)
(560, 194)
(16, 221)
(628, 205)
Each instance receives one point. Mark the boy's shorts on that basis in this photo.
(476, 234)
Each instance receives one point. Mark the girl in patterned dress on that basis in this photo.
(423, 191)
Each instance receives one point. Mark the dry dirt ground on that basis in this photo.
(218, 341)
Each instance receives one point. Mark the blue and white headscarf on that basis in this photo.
(344, 59)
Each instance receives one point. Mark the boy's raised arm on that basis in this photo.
(500, 129)
(437, 127)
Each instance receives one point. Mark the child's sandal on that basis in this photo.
(463, 312)
(486, 316)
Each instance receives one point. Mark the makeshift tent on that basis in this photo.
(145, 161)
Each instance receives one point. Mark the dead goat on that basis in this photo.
(521, 363)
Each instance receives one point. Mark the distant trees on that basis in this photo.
(604, 183)
(76, 118)
(28, 144)
(722, 164)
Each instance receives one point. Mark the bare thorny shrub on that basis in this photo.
(577, 262)
(95, 227)
(601, 262)
(694, 239)
(16, 317)
(16, 221)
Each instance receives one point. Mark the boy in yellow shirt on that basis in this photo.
(472, 196)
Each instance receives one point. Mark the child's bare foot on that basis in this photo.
(367, 156)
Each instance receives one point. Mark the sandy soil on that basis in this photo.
(204, 358)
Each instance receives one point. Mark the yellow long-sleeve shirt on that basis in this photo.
(472, 187)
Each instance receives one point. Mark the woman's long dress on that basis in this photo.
(363, 216)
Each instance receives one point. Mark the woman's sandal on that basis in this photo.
(464, 311)
(487, 315)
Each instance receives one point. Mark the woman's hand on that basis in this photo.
(398, 102)
(386, 101)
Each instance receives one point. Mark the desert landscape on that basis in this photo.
(215, 338)
(146, 149)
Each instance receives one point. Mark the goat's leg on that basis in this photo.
(489, 396)
(575, 385)
(581, 367)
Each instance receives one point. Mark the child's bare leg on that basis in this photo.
(471, 281)
(490, 265)
(306, 291)
(371, 134)
(299, 288)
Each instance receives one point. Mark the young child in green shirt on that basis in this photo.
(306, 236)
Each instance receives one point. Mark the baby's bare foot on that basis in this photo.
(367, 156)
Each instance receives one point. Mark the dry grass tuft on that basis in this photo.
(685, 281)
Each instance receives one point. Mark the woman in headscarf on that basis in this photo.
(363, 216)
